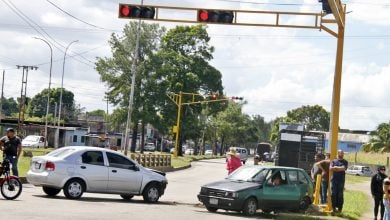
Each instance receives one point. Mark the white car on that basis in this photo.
(208, 152)
(189, 151)
(359, 170)
(33, 141)
(76, 170)
(150, 147)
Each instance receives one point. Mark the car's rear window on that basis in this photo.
(61, 153)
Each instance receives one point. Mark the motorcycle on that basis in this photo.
(10, 186)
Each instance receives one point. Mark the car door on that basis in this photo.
(92, 168)
(276, 196)
(124, 175)
(295, 187)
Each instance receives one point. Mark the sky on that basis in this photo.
(274, 69)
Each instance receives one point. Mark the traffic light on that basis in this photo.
(325, 6)
(132, 11)
(237, 98)
(215, 16)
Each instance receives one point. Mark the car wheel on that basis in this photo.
(266, 211)
(243, 162)
(126, 196)
(357, 174)
(74, 189)
(250, 207)
(304, 204)
(151, 193)
(51, 191)
(211, 209)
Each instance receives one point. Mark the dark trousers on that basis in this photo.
(13, 160)
(379, 202)
(337, 189)
(324, 191)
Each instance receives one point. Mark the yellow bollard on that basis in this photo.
(317, 190)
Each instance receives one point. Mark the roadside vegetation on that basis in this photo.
(367, 158)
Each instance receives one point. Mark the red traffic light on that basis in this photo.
(215, 16)
(134, 11)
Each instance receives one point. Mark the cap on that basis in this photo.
(10, 130)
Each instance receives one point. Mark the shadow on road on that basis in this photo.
(237, 214)
(98, 199)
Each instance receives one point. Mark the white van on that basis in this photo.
(243, 154)
(33, 141)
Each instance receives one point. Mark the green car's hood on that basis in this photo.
(232, 186)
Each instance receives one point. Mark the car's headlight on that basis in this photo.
(231, 194)
(203, 191)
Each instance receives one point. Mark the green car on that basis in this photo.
(250, 188)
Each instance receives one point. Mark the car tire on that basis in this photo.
(250, 207)
(243, 162)
(266, 211)
(126, 196)
(304, 203)
(50, 191)
(211, 209)
(74, 189)
(151, 193)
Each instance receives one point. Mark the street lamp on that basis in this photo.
(62, 88)
(48, 93)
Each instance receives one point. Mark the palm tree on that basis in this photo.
(380, 141)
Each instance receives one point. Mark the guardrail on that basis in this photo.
(153, 160)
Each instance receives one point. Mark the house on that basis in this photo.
(350, 141)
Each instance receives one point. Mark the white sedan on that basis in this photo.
(76, 170)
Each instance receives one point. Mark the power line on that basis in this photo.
(76, 18)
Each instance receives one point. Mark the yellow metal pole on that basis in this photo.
(178, 125)
(317, 189)
(334, 125)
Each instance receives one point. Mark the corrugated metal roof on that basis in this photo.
(348, 137)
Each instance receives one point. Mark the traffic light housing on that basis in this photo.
(237, 98)
(325, 6)
(215, 16)
(132, 11)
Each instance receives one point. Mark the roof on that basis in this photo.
(349, 137)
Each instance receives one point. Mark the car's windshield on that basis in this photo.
(32, 138)
(249, 173)
(61, 152)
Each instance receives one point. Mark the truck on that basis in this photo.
(264, 148)
(298, 148)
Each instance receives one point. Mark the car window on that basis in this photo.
(260, 177)
(293, 177)
(118, 161)
(366, 169)
(243, 151)
(278, 178)
(302, 178)
(93, 158)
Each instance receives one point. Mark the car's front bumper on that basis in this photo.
(223, 203)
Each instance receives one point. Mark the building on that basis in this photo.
(350, 141)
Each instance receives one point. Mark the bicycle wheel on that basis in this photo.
(11, 189)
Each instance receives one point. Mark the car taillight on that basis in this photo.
(50, 166)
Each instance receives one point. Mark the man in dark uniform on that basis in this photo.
(377, 190)
(12, 148)
(338, 167)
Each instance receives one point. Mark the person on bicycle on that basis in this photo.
(12, 148)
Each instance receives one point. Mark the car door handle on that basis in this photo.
(83, 167)
(114, 171)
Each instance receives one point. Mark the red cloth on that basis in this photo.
(233, 163)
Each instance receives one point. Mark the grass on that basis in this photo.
(351, 179)
(367, 158)
(355, 204)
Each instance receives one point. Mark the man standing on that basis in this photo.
(338, 167)
(315, 170)
(377, 190)
(12, 148)
(323, 165)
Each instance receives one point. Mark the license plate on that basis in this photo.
(37, 166)
(213, 201)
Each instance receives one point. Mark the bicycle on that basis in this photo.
(10, 186)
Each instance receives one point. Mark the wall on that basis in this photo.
(71, 135)
(346, 146)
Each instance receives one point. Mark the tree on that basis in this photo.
(116, 73)
(10, 106)
(314, 117)
(38, 104)
(97, 112)
(380, 141)
(182, 64)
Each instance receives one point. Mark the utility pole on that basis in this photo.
(133, 73)
(23, 95)
(61, 92)
(49, 89)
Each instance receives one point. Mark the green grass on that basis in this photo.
(351, 179)
(355, 204)
(367, 158)
(186, 160)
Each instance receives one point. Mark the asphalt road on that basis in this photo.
(179, 201)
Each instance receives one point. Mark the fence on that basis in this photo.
(153, 160)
